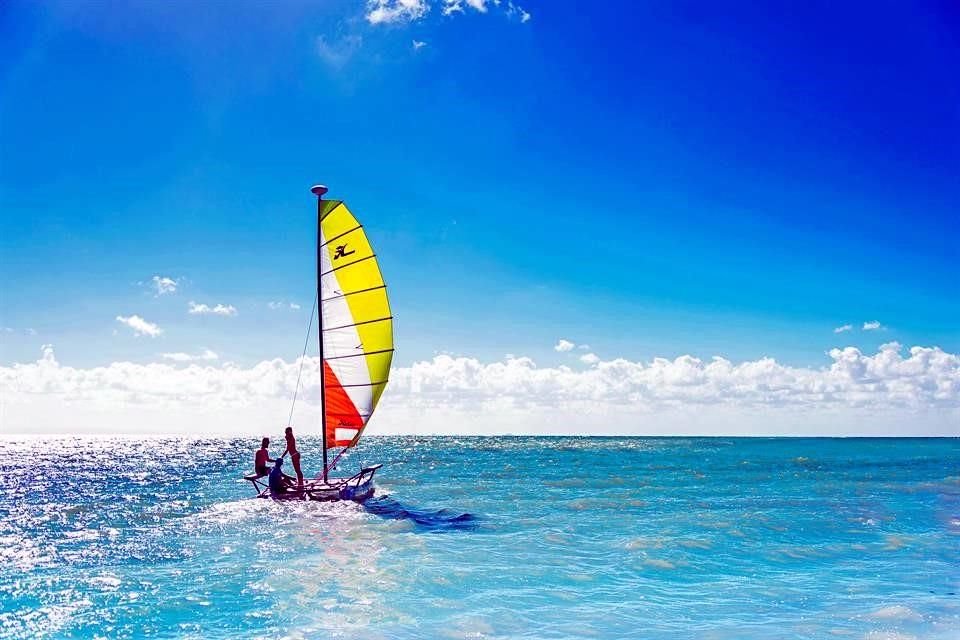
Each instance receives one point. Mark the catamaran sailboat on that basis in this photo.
(355, 334)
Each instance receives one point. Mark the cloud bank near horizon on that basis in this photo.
(392, 12)
(891, 392)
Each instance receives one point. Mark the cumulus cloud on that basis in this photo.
(843, 327)
(140, 326)
(395, 11)
(418, 44)
(164, 285)
(873, 325)
(283, 305)
(206, 355)
(217, 310)
(564, 346)
(589, 358)
(912, 392)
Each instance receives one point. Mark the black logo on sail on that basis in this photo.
(342, 252)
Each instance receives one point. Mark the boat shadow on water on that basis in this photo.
(424, 520)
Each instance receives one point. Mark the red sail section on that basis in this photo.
(343, 419)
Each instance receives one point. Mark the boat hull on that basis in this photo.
(356, 488)
(324, 494)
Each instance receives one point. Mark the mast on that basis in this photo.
(318, 190)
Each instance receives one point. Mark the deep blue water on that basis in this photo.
(487, 538)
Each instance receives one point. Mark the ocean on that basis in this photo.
(500, 537)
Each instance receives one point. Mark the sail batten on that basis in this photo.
(349, 264)
(359, 384)
(349, 231)
(363, 353)
(352, 293)
(357, 324)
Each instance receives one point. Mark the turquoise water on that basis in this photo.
(487, 538)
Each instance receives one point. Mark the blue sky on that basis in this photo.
(651, 179)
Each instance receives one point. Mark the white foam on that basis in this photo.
(896, 612)
(888, 635)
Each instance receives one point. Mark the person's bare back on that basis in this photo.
(261, 458)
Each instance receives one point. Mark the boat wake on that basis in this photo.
(427, 521)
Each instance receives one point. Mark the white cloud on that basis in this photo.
(456, 6)
(178, 357)
(842, 328)
(516, 10)
(889, 392)
(279, 304)
(140, 326)
(872, 326)
(337, 52)
(206, 355)
(589, 358)
(452, 6)
(564, 346)
(164, 285)
(30, 331)
(405, 11)
(218, 310)
(418, 44)
(395, 11)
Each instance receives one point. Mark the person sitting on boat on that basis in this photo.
(279, 481)
(294, 454)
(261, 458)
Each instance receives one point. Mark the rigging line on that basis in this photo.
(333, 465)
(303, 355)
(340, 453)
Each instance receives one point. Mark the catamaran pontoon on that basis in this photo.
(355, 334)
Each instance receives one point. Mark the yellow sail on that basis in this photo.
(356, 324)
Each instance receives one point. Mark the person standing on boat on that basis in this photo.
(261, 458)
(294, 454)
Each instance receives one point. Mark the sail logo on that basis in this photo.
(342, 252)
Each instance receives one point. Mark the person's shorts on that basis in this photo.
(262, 471)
